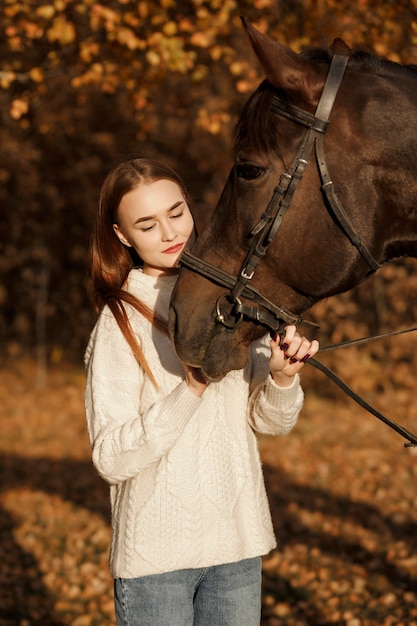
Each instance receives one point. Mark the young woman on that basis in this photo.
(190, 517)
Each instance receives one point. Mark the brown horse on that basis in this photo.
(323, 191)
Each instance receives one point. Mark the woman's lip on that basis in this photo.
(172, 249)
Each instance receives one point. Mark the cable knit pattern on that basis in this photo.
(186, 484)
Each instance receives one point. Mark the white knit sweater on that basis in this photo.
(186, 483)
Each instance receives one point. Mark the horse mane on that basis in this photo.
(262, 135)
(363, 61)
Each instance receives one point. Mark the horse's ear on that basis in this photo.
(284, 68)
(340, 47)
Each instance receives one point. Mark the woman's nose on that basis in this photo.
(168, 232)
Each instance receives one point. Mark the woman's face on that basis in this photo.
(155, 220)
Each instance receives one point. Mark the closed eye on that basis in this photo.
(172, 216)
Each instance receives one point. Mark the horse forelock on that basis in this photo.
(256, 127)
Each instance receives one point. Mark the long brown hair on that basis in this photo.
(111, 261)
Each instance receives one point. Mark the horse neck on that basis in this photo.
(393, 114)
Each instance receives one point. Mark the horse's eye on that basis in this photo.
(249, 171)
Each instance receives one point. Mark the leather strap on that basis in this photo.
(412, 439)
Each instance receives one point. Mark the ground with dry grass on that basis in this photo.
(342, 489)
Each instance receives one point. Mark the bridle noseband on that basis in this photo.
(272, 316)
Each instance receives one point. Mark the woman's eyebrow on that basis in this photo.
(152, 217)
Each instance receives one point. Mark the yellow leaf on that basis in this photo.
(200, 40)
(185, 25)
(15, 44)
(6, 78)
(36, 74)
(47, 11)
(143, 9)
(153, 58)
(262, 4)
(237, 68)
(170, 28)
(216, 53)
(18, 108)
(88, 51)
(127, 37)
(61, 31)
(243, 86)
(32, 30)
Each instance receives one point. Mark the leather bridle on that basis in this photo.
(272, 316)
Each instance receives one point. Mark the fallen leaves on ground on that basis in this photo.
(341, 487)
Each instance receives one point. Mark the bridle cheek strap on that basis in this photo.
(337, 209)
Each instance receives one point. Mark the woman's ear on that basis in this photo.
(121, 236)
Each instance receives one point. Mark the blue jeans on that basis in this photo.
(224, 595)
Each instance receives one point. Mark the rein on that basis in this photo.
(412, 439)
(230, 310)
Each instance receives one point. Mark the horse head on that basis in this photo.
(304, 244)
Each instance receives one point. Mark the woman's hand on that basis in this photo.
(195, 379)
(289, 355)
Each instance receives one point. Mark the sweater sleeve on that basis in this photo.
(124, 438)
(272, 410)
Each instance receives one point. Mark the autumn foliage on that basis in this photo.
(81, 84)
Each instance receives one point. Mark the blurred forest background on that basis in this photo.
(82, 84)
